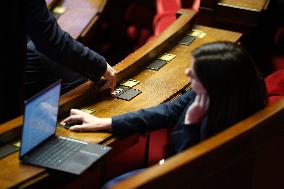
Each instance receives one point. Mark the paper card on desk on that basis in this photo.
(187, 40)
(119, 90)
(130, 83)
(197, 33)
(58, 11)
(157, 64)
(129, 94)
(17, 144)
(167, 57)
(202, 35)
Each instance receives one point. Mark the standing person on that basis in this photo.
(13, 59)
(226, 88)
(53, 54)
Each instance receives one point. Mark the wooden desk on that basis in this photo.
(80, 16)
(156, 86)
(254, 5)
(242, 16)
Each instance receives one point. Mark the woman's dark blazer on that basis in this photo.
(162, 116)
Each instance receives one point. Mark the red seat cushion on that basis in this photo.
(162, 22)
(166, 14)
(196, 5)
(273, 99)
(275, 85)
(168, 6)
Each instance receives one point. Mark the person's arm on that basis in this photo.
(142, 121)
(51, 40)
(145, 120)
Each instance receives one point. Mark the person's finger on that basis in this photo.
(66, 120)
(105, 85)
(76, 112)
(203, 99)
(207, 103)
(72, 119)
(112, 85)
(197, 98)
(78, 128)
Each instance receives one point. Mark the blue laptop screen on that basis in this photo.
(40, 117)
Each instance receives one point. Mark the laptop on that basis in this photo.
(41, 147)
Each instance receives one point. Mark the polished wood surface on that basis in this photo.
(13, 172)
(247, 155)
(80, 16)
(156, 86)
(242, 16)
(253, 5)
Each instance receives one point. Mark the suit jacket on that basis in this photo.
(57, 44)
(162, 116)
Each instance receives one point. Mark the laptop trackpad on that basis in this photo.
(84, 158)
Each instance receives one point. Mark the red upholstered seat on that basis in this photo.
(275, 86)
(273, 99)
(144, 25)
(167, 6)
(162, 21)
(166, 12)
(196, 5)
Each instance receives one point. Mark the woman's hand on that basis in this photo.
(86, 122)
(197, 110)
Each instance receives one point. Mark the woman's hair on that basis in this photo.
(234, 86)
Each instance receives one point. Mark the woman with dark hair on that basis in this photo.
(233, 85)
(226, 88)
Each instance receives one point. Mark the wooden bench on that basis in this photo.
(247, 155)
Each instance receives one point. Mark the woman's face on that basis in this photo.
(195, 82)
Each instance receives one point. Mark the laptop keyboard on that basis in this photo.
(56, 151)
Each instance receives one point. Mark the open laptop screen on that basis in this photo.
(40, 117)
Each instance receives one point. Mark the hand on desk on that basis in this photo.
(87, 122)
(110, 76)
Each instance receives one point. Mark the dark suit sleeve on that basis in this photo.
(145, 120)
(51, 40)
